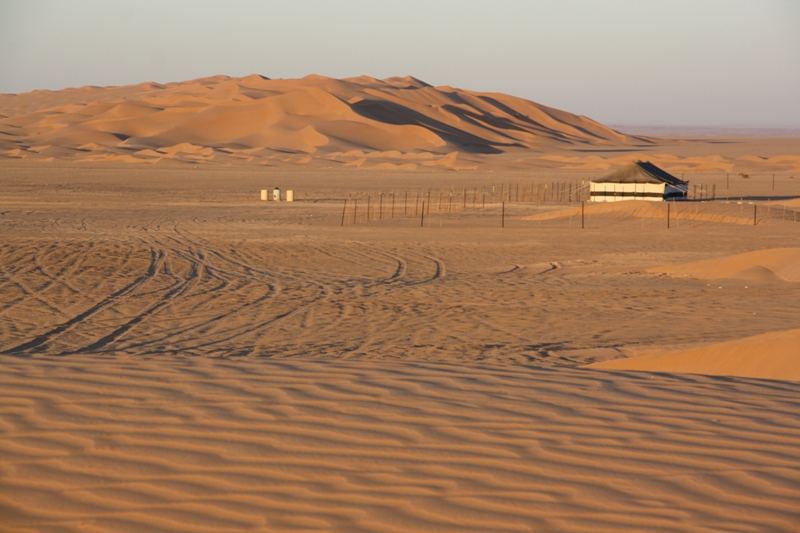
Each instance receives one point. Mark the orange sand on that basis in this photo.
(768, 356)
(362, 123)
(191, 444)
(177, 355)
(778, 264)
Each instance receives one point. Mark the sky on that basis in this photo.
(645, 62)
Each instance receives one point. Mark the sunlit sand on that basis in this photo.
(178, 355)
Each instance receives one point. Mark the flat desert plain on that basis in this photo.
(178, 355)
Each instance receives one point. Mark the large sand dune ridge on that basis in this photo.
(304, 115)
(398, 123)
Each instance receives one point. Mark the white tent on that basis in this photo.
(640, 180)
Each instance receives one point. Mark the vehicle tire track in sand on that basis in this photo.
(186, 285)
(439, 272)
(248, 275)
(14, 278)
(157, 258)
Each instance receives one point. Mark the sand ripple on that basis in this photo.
(97, 444)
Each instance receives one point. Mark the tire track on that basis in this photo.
(194, 277)
(227, 277)
(157, 258)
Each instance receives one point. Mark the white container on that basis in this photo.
(264, 194)
(290, 196)
(276, 194)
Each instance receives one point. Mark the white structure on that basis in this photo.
(290, 196)
(276, 194)
(264, 195)
(638, 181)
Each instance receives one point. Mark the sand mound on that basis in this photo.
(301, 116)
(768, 356)
(777, 264)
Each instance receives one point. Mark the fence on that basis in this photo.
(555, 205)
(416, 203)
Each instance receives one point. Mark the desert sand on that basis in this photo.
(773, 355)
(366, 123)
(178, 355)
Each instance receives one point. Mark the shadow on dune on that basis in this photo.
(392, 113)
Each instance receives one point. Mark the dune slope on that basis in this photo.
(773, 355)
(776, 264)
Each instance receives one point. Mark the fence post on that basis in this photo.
(422, 218)
(755, 214)
(582, 216)
(355, 211)
(503, 216)
(668, 206)
(344, 210)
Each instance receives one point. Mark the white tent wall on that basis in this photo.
(617, 192)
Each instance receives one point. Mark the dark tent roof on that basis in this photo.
(640, 172)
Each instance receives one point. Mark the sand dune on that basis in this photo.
(777, 264)
(309, 115)
(318, 117)
(201, 445)
(768, 356)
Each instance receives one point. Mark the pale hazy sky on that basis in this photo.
(687, 62)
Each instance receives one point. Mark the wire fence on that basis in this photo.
(561, 204)
(414, 203)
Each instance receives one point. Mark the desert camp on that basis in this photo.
(639, 180)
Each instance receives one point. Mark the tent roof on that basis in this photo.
(640, 172)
